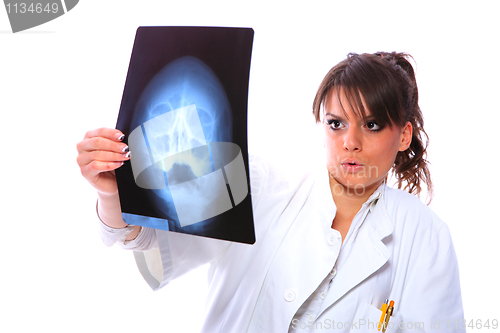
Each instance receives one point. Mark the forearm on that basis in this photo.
(109, 211)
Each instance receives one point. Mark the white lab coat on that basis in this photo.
(401, 251)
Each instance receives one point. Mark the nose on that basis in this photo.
(352, 140)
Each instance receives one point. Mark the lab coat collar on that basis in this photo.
(327, 206)
(381, 221)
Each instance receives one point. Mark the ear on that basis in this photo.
(405, 136)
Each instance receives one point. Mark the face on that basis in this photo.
(359, 152)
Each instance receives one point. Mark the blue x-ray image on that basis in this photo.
(186, 130)
(189, 175)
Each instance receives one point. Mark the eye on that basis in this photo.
(373, 126)
(335, 124)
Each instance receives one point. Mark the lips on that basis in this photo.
(352, 165)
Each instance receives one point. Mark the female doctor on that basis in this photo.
(333, 243)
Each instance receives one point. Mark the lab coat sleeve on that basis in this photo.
(145, 240)
(432, 298)
(176, 255)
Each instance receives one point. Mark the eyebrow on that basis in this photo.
(335, 116)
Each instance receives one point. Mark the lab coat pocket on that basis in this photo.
(371, 320)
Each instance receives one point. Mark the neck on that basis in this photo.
(348, 201)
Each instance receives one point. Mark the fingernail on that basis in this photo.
(125, 149)
(120, 137)
(127, 155)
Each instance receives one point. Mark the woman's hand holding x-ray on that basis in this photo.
(99, 154)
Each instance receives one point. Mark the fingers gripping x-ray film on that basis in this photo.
(205, 179)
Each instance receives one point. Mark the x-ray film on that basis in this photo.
(184, 116)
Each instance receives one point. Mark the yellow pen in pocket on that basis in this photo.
(384, 311)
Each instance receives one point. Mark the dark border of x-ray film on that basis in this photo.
(227, 52)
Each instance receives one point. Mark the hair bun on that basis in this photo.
(399, 59)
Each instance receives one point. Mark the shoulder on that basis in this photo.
(410, 215)
(418, 235)
(402, 203)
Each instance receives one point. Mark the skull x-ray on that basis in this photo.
(184, 115)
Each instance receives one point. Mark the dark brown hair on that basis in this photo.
(386, 82)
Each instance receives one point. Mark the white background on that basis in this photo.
(65, 77)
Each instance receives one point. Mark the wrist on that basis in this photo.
(108, 196)
(108, 211)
